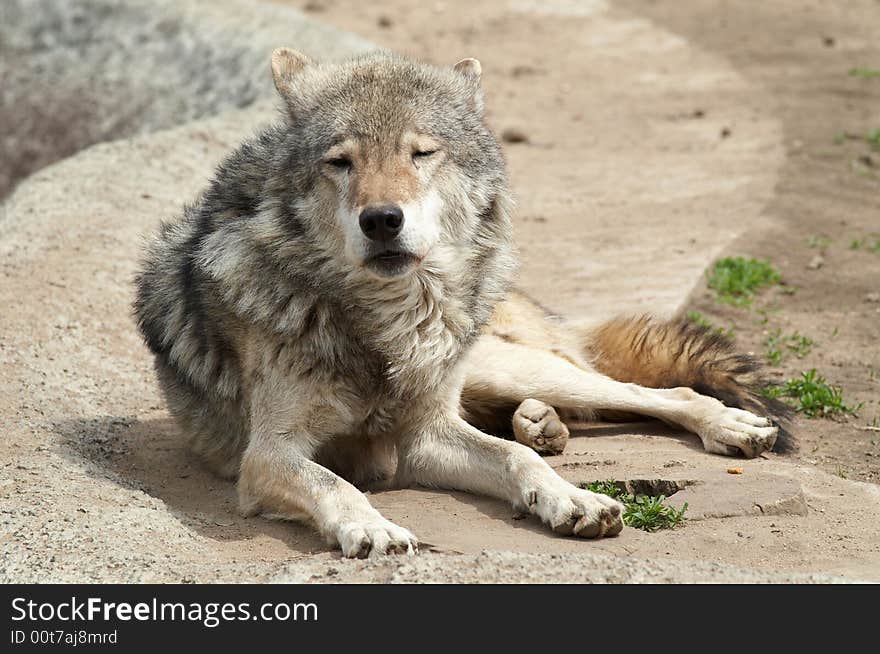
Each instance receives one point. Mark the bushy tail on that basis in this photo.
(669, 354)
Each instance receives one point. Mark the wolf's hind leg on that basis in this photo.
(512, 372)
(537, 425)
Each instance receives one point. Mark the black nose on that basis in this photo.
(381, 223)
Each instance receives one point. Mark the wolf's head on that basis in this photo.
(393, 164)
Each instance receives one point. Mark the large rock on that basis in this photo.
(77, 72)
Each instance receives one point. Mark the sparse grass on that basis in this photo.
(765, 312)
(872, 137)
(818, 241)
(812, 395)
(641, 511)
(609, 487)
(699, 319)
(864, 171)
(864, 73)
(871, 243)
(650, 513)
(735, 279)
(799, 344)
(779, 344)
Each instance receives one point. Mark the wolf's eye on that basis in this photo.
(422, 154)
(340, 163)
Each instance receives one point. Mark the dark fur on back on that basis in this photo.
(668, 354)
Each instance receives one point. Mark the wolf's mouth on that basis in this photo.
(391, 262)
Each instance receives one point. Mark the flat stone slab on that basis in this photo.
(705, 484)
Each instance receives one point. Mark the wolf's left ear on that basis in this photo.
(471, 71)
(286, 64)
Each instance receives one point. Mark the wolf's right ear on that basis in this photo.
(286, 64)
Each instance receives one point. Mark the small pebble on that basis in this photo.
(514, 135)
(521, 70)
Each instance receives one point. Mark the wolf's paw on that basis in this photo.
(569, 510)
(537, 425)
(733, 432)
(360, 539)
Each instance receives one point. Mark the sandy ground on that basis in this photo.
(657, 139)
(776, 74)
(827, 196)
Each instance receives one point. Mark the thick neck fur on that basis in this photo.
(418, 325)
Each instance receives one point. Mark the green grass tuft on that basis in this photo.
(864, 73)
(779, 344)
(609, 487)
(641, 511)
(651, 514)
(735, 279)
(812, 395)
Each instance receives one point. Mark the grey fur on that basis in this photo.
(288, 350)
(243, 261)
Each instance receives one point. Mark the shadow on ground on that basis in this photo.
(151, 456)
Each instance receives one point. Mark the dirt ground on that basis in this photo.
(827, 198)
(797, 57)
(707, 126)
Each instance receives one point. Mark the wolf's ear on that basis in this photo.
(470, 69)
(286, 64)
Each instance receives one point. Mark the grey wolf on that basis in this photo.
(335, 312)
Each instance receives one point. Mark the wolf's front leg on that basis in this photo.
(278, 481)
(447, 452)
